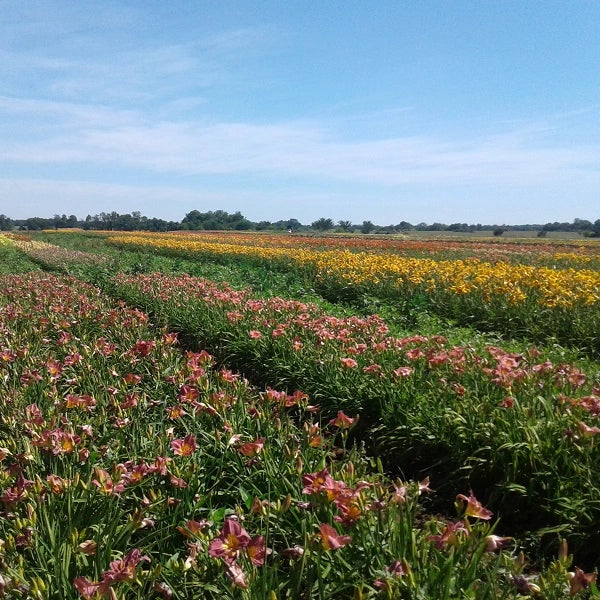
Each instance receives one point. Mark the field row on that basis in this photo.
(133, 469)
(574, 253)
(540, 303)
(518, 425)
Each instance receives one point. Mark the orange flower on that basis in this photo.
(252, 448)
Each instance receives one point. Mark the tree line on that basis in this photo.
(220, 220)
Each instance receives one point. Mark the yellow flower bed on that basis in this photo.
(513, 283)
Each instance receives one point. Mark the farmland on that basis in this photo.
(259, 416)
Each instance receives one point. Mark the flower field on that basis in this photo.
(168, 436)
(541, 302)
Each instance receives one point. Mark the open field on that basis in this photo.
(196, 416)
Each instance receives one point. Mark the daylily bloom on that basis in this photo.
(232, 539)
(257, 551)
(252, 448)
(57, 484)
(330, 539)
(343, 421)
(588, 431)
(187, 393)
(235, 573)
(495, 542)
(424, 486)
(185, 446)
(105, 483)
(580, 581)
(403, 371)
(124, 569)
(474, 507)
(398, 568)
(88, 547)
(314, 482)
(132, 378)
(144, 348)
(293, 553)
(169, 339)
(348, 363)
(449, 537)
(89, 590)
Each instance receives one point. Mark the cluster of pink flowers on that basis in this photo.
(121, 570)
(231, 544)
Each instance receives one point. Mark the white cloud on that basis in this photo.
(98, 136)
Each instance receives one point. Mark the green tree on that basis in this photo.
(322, 224)
(367, 227)
(5, 223)
(346, 225)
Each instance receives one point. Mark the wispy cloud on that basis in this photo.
(100, 136)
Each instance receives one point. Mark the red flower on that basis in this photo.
(257, 551)
(124, 569)
(495, 542)
(143, 348)
(330, 538)
(450, 535)
(588, 431)
(187, 393)
(252, 448)
(348, 363)
(185, 446)
(343, 421)
(403, 371)
(231, 541)
(88, 589)
(314, 482)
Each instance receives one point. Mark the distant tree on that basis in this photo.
(404, 226)
(192, 220)
(5, 223)
(367, 227)
(37, 223)
(582, 225)
(498, 231)
(346, 225)
(461, 227)
(436, 227)
(262, 225)
(322, 224)
(242, 225)
(293, 225)
(157, 225)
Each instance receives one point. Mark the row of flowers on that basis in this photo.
(543, 303)
(516, 283)
(533, 252)
(131, 468)
(473, 413)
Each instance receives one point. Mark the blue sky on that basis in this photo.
(477, 112)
